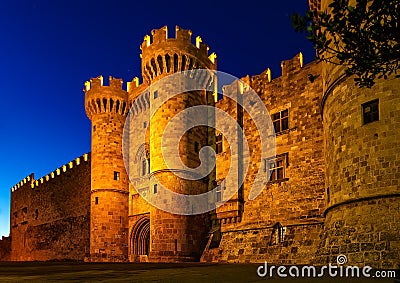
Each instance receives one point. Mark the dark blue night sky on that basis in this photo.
(48, 49)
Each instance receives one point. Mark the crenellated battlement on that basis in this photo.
(182, 36)
(315, 5)
(35, 183)
(100, 98)
(27, 180)
(98, 82)
(291, 65)
(162, 55)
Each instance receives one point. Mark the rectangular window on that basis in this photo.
(278, 234)
(117, 176)
(155, 188)
(155, 94)
(94, 128)
(281, 121)
(370, 111)
(96, 200)
(219, 190)
(144, 125)
(276, 167)
(218, 143)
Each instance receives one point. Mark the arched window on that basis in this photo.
(175, 63)
(168, 63)
(144, 167)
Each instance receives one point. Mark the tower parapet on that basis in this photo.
(104, 99)
(162, 55)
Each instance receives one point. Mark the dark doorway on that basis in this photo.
(140, 237)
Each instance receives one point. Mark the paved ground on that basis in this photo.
(145, 272)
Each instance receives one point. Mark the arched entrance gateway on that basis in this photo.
(140, 240)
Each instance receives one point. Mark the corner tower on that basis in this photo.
(362, 142)
(106, 107)
(175, 237)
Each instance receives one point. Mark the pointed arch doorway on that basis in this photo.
(140, 239)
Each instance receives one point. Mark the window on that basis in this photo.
(218, 143)
(155, 94)
(281, 121)
(370, 111)
(144, 125)
(278, 234)
(96, 200)
(327, 194)
(275, 167)
(219, 190)
(145, 167)
(117, 176)
(94, 128)
(155, 188)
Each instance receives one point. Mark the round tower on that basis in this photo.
(362, 145)
(175, 237)
(106, 107)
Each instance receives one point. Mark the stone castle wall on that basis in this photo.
(298, 201)
(5, 249)
(50, 216)
(362, 175)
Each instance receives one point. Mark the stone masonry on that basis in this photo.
(332, 170)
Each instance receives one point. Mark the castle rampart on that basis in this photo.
(49, 217)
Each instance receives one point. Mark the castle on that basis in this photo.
(332, 188)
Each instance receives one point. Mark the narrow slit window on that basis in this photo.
(117, 176)
(218, 143)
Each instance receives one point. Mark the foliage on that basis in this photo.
(364, 37)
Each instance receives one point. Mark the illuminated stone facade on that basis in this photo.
(331, 172)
